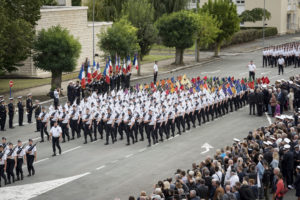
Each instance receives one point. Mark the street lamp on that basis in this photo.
(93, 31)
(264, 23)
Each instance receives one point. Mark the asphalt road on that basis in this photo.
(95, 171)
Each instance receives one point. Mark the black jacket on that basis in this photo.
(251, 98)
(246, 193)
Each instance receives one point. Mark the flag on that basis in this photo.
(89, 74)
(124, 67)
(95, 70)
(80, 72)
(229, 91)
(81, 77)
(116, 65)
(110, 66)
(135, 63)
(99, 75)
(128, 64)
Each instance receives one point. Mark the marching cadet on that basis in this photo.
(20, 110)
(2, 115)
(43, 118)
(74, 120)
(55, 135)
(64, 123)
(170, 122)
(2, 165)
(140, 122)
(162, 121)
(29, 107)
(109, 119)
(129, 122)
(11, 162)
(11, 111)
(37, 110)
(150, 122)
(30, 157)
(95, 116)
(87, 124)
(54, 117)
(21, 157)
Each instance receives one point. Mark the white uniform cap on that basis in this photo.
(287, 140)
(286, 146)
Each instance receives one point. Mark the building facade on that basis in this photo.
(75, 20)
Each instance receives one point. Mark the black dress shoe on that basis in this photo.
(41, 141)
(29, 175)
(54, 154)
(36, 131)
(128, 144)
(12, 127)
(149, 145)
(106, 143)
(85, 142)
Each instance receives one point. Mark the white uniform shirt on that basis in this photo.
(155, 68)
(2, 160)
(55, 131)
(280, 61)
(56, 94)
(21, 154)
(32, 151)
(251, 68)
(12, 155)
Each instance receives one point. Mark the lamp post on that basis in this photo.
(93, 31)
(264, 23)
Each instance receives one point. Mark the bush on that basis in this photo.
(247, 35)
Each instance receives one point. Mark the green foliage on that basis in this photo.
(50, 2)
(178, 29)
(256, 14)
(76, 2)
(56, 50)
(225, 13)
(120, 39)
(207, 30)
(105, 10)
(17, 19)
(167, 6)
(141, 15)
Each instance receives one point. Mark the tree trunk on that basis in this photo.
(197, 49)
(139, 64)
(56, 80)
(217, 49)
(179, 56)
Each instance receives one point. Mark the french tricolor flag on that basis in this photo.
(124, 68)
(106, 73)
(110, 67)
(128, 64)
(89, 74)
(117, 66)
(99, 75)
(95, 72)
(81, 77)
(135, 63)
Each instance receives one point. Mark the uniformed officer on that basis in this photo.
(30, 157)
(2, 115)
(64, 123)
(109, 119)
(43, 118)
(20, 110)
(2, 164)
(37, 110)
(29, 107)
(11, 111)
(87, 125)
(21, 157)
(11, 163)
(55, 135)
(74, 120)
(129, 122)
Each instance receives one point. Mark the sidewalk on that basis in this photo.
(166, 66)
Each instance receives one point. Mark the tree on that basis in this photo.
(168, 6)
(226, 14)
(50, 2)
(207, 31)
(76, 2)
(141, 15)
(178, 30)
(105, 10)
(56, 51)
(17, 19)
(256, 14)
(120, 39)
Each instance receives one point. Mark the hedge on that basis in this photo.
(248, 35)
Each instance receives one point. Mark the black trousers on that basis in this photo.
(265, 59)
(56, 102)
(55, 143)
(155, 77)
(65, 131)
(30, 159)
(109, 133)
(74, 128)
(129, 134)
(2, 174)
(170, 127)
(87, 132)
(121, 129)
(29, 115)
(259, 109)
(19, 170)
(10, 169)
(280, 69)
(44, 130)
(95, 128)
(150, 133)
(2, 122)
(10, 119)
(252, 75)
(252, 108)
(38, 124)
(141, 129)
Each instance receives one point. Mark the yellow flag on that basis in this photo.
(141, 87)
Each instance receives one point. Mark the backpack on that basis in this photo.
(51, 94)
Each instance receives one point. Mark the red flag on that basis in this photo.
(205, 78)
(198, 78)
(267, 80)
(152, 85)
(181, 87)
(107, 79)
(99, 76)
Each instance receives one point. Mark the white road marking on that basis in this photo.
(114, 161)
(213, 72)
(171, 138)
(268, 117)
(71, 149)
(144, 149)
(95, 141)
(176, 135)
(267, 72)
(28, 191)
(290, 71)
(207, 147)
(128, 156)
(240, 74)
(39, 161)
(101, 167)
